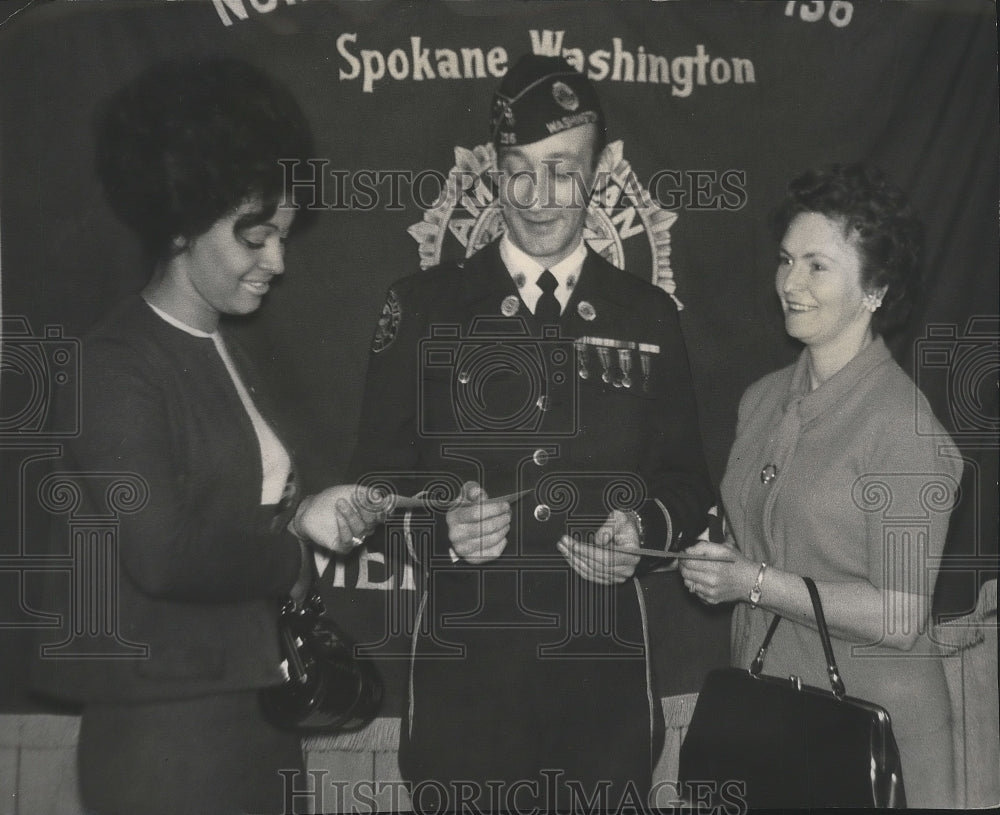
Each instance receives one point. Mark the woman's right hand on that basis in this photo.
(334, 520)
(723, 580)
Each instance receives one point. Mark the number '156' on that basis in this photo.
(840, 11)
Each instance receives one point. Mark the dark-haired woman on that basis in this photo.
(840, 472)
(189, 155)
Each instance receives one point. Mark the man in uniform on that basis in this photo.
(537, 373)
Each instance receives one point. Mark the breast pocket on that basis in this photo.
(497, 396)
(621, 386)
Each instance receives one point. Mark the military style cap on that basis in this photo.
(539, 97)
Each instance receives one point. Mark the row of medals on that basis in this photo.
(609, 351)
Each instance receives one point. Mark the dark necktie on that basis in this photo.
(547, 310)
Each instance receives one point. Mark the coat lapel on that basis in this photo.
(596, 289)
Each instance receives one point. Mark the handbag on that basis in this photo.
(764, 741)
(326, 688)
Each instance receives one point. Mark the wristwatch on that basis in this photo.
(755, 591)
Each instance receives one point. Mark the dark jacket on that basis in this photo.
(180, 585)
(458, 389)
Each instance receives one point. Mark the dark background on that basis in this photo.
(909, 86)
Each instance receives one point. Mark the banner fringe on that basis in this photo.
(382, 735)
(968, 631)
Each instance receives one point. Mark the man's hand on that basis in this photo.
(478, 527)
(614, 554)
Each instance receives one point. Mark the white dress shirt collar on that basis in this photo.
(524, 269)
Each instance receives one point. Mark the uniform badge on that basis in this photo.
(509, 306)
(519, 280)
(586, 310)
(565, 96)
(502, 112)
(388, 323)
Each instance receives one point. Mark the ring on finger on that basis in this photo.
(356, 541)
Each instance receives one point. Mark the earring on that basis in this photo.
(872, 302)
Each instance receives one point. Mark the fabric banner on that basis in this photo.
(712, 109)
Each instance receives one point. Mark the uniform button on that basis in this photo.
(542, 512)
(540, 457)
(542, 403)
(463, 377)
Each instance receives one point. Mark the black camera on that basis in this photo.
(326, 687)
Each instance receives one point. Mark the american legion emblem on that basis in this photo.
(466, 216)
(564, 96)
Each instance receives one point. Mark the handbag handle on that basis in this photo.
(836, 683)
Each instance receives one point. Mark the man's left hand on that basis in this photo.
(612, 557)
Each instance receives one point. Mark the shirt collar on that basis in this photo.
(525, 268)
(194, 332)
(811, 403)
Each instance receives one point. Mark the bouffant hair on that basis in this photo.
(187, 143)
(876, 216)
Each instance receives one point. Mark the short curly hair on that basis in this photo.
(187, 143)
(876, 214)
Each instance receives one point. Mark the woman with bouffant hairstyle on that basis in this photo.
(190, 156)
(189, 142)
(829, 473)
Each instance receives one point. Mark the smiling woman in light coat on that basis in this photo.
(828, 462)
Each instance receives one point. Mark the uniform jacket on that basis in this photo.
(463, 384)
(199, 565)
(451, 327)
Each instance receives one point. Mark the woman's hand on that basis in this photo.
(478, 527)
(334, 519)
(715, 582)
